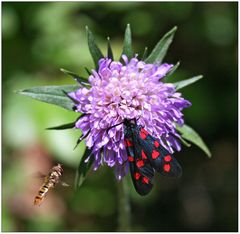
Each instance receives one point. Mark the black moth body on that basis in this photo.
(145, 156)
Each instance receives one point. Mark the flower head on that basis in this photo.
(128, 90)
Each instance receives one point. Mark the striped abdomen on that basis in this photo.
(42, 193)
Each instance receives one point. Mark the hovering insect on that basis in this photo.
(145, 156)
(50, 181)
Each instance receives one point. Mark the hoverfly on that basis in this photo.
(50, 181)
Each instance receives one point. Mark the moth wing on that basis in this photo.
(141, 170)
(160, 159)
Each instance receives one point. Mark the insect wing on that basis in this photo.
(141, 170)
(64, 184)
(160, 159)
(38, 175)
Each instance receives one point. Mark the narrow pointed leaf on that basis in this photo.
(87, 70)
(161, 48)
(127, 43)
(62, 127)
(83, 168)
(183, 83)
(52, 94)
(184, 142)
(191, 135)
(93, 48)
(174, 68)
(81, 80)
(109, 50)
(145, 53)
(67, 95)
(66, 126)
(79, 140)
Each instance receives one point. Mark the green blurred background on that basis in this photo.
(40, 38)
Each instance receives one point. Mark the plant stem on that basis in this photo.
(124, 210)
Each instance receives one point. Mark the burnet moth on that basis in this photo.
(145, 156)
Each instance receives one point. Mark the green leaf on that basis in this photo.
(81, 80)
(52, 94)
(66, 126)
(109, 49)
(161, 48)
(183, 83)
(145, 54)
(174, 68)
(87, 70)
(189, 134)
(83, 168)
(184, 142)
(79, 140)
(93, 48)
(63, 126)
(127, 43)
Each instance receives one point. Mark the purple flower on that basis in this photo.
(126, 91)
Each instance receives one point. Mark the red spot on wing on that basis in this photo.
(155, 154)
(140, 163)
(156, 144)
(168, 158)
(143, 133)
(146, 132)
(166, 167)
(145, 180)
(143, 155)
(130, 159)
(128, 143)
(137, 175)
